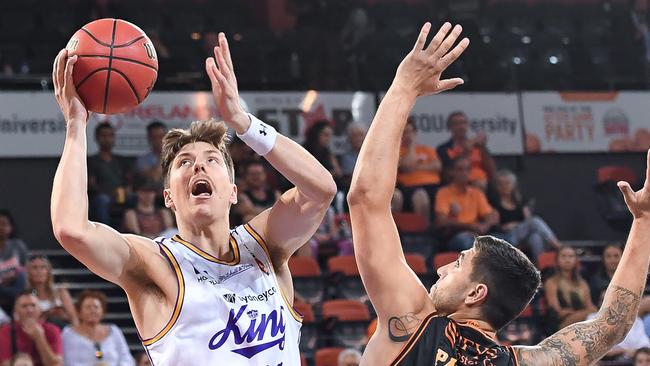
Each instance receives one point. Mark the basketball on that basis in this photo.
(116, 66)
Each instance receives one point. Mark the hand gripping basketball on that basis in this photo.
(64, 90)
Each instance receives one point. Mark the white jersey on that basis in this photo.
(226, 313)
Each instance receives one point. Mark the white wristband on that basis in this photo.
(260, 137)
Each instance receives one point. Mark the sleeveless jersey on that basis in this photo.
(441, 341)
(227, 313)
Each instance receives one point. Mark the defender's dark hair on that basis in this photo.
(511, 279)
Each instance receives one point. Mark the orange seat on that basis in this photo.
(306, 311)
(527, 313)
(416, 262)
(546, 260)
(328, 356)
(346, 310)
(343, 263)
(372, 328)
(304, 267)
(408, 222)
(444, 258)
(612, 173)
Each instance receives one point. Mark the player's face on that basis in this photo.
(199, 186)
(449, 292)
(91, 311)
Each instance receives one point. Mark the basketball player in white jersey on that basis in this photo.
(210, 295)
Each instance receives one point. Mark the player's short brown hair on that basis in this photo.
(209, 131)
(510, 276)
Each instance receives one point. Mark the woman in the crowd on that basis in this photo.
(13, 254)
(92, 342)
(55, 301)
(566, 292)
(317, 142)
(517, 223)
(600, 280)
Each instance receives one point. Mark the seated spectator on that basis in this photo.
(349, 357)
(418, 177)
(142, 359)
(55, 301)
(462, 211)
(257, 196)
(22, 359)
(146, 219)
(31, 335)
(642, 357)
(13, 254)
(317, 142)
(356, 135)
(516, 333)
(600, 280)
(148, 165)
(482, 163)
(519, 226)
(109, 175)
(91, 342)
(567, 293)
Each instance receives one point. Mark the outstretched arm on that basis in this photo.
(395, 291)
(586, 342)
(300, 210)
(102, 249)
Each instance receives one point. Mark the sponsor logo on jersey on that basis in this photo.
(267, 329)
(263, 296)
(204, 276)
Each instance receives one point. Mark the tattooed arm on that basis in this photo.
(586, 342)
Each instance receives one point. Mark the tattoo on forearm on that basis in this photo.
(402, 327)
(586, 342)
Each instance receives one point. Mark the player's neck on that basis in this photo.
(473, 321)
(214, 238)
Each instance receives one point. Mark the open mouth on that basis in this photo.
(201, 188)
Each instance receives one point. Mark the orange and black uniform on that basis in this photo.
(441, 341)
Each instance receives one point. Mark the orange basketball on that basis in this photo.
(116, 66)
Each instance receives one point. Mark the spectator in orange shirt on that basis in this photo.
(482, 163)
(462, 210)
(418, 177)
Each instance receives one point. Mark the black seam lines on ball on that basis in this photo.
(108, 45)
(128, 82)
(121, 59)
(110, 65)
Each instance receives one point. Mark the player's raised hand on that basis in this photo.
(64, 90)
(421, 69)
(638, 202)
(224, 87)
